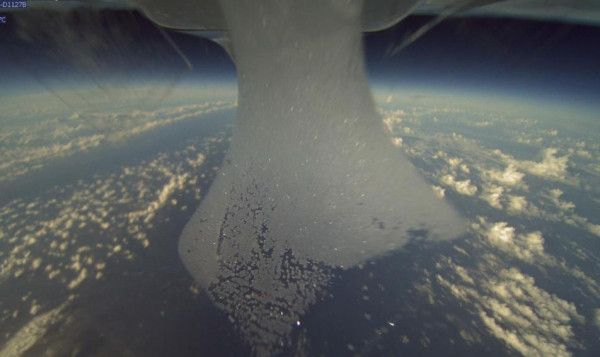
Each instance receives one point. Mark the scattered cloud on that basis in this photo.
(519, 205)
(552, 166)
(32, 332)
(492, 195)
(29, 148)
(527, 318)
(71, 238)
(513, 309)
(439, 192)
(597, 317)
(392, 118)
(583, 153)
(527, 247)
(453, 162)
(397, 141)
(509, 177)
(464, 187)
(507, 301)
(555, 197)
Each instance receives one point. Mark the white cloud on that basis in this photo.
(597, 317)
(32, 332)
(551, 167)
(509, 177)
(583, 153)
(32, 147)
(514, 310)
(392, 119)
(439, 192)
(397, 141)
(528, 318)
(175, 183)
(528, 247)
(555, 197)
(463, 187)
(517, 204)
(492, 195)
(482, 124)
(113, 210)
(454, 162)
(83, 273)
(594, 228)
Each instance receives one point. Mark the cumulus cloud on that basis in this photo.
(597, 317)
(492, 195)
(594, 228)
(517, 204)
(392, 118)
(147, 214)
(32, 332)
(555, 197)
(513, 309)
(464, 187)
(32, 147)
(510, 305)
(439, 192)
(454, 162)
(552, 166)
(509, 177)
(527, 318)
(71, 238)
(553, 209)
(582, 153)
(527, 247)
(397, 141)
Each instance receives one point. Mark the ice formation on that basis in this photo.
(311, 183)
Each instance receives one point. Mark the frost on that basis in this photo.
(311, 183)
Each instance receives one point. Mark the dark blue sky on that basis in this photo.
(104, 47)
(544, 60)
(541, 60)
